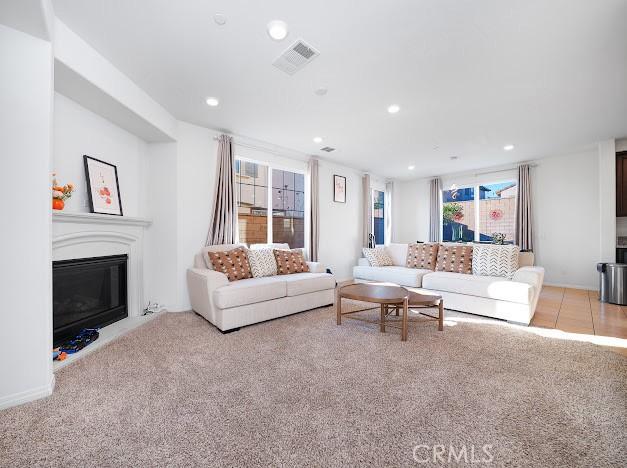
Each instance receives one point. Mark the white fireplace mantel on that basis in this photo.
(95, 218)
(84, 235)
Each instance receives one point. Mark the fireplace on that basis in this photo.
(88, 293)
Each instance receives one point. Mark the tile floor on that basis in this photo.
(579, 311)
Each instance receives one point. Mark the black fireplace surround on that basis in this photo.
(87, 293)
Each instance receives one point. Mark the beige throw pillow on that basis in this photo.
(423, 256)
(378, 257)
(454, 258)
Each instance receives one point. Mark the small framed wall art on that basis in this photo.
(102, 187)
(339, 189)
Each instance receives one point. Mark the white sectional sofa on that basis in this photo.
(230, 305)
(513, 299)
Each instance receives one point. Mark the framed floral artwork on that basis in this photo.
(103, 188)
(339, 189)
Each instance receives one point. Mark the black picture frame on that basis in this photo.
(89, 187)
(336, 177)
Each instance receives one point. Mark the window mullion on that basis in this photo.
(477, 213)
(269, 210)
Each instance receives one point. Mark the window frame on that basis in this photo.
(372, 198)
(269, 200)
(477, 206)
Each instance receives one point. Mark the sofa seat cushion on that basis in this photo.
(492, 287)
(249, 291)
(303, 283)
(402, 276)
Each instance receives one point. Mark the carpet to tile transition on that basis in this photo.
(301, 391)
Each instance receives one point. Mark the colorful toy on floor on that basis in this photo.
(84, 338)
(58, 355)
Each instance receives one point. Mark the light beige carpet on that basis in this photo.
(301, 391)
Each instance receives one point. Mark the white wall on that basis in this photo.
(196, 169)
(607, 200)
(78, 131)
(340, 223)
(411, 211)
(25, 145)
(566, 210)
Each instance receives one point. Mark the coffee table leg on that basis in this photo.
(405, 319)
(338, 309)
(441, 317)
(382, 323)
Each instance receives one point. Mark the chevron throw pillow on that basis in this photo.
(495, 260)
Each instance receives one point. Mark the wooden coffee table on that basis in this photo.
(391, 298)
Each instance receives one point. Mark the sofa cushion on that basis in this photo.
(262, 262)
(398, 253)
(290, 261)
(492, 287)
(303, 283)
(495, 260)
(422, 256)
(391, 274)
(378, 257)
(249, 291)
(216, 248)
(454, 258)
(234, 263)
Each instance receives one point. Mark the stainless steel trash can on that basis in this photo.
(613, 283)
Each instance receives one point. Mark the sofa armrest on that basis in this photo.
(316, 267)
(201, 283)
(531, 275)
(363, 262)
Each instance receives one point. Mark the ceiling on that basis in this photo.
(470, 76)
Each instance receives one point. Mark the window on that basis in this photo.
(458, 214)
(378, 216)
(288, 208)
(251, 187)
(286, 198)
(497, 211)
(491, 207)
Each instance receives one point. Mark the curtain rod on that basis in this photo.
(500, 170)
(287, 153)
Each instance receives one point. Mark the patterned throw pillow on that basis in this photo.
(290, 261)
(454, 258)
(378, 257)
(234, 263)
(422, 256)
(495, 260)
(262, 262)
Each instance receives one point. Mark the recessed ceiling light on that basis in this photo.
(277, 30)
(411, 168)
(453, 158)
(220, 19)
(394, 108)
(212, 102)
(321, 91)
(508, 147)
(317, 140)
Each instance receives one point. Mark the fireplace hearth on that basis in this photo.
(88, 293)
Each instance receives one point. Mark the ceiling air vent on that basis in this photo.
(295, 57)
(328, 149)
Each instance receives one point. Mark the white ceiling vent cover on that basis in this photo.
(295, 57)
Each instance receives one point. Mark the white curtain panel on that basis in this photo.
(222, 226)
(314, 216)
(367, 205)
(524, 218)
(435, 191)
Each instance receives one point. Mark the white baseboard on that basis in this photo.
(27, 395)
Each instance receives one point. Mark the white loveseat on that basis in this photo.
(230, 305)
(513, 300)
